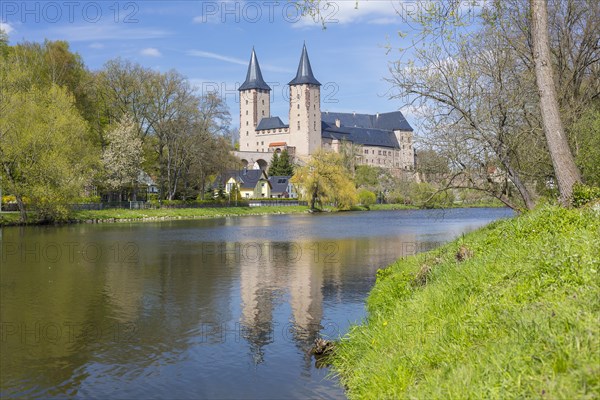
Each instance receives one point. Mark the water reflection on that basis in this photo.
(199, 309)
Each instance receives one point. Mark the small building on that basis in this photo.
(282, 188)
(251, 183)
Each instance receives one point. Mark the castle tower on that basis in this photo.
(305, 109)
(255, 97)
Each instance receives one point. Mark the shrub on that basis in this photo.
(366, 197)
(584, 194)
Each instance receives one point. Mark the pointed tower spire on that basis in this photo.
(254, 79)
(305, 74)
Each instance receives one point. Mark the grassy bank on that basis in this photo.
(123, 215)
(509, 311)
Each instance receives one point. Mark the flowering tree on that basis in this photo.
(122, 157)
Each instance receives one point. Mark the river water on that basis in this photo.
(216, 308)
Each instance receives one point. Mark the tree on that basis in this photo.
(122, 157)
(523, 30)
(281, 165)
(286, 167)
(274, 166)
(478, 114)
(567, 173)
(46, 158)
(366, 197)
(324, 179)
(44, 153)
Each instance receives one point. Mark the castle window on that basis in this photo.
(298, 96)
(298, 106)
(246, 123)
(263, 113)
(263, 102)
(246, 102)
(298, 125)
(246, 133)
(366, 151)
(246, 112)
(378, 152)
(315, 125)
(372, 151)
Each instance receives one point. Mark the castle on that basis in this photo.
(380, 140)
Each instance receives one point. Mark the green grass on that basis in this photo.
(151, 214)
(518, 317)
(9, 218)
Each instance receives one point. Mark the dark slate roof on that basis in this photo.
(248, 178)
(386, 121)
(361, 136)
(279, 184)
(271, 123)
(305, 74)
(254, 79)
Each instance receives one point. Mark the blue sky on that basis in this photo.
(210, 42)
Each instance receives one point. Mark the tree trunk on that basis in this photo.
(567, 173)
(22, 211)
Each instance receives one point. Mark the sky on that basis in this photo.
(210, 42)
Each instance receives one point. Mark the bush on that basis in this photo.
(366, 197)
(584, 194)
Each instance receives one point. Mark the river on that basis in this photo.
(215, 308)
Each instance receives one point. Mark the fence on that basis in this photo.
(141, 205)
(132, 205)
(272, 203)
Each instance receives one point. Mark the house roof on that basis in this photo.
(361, 136)
(270, 123)
(279, 184)
(304, 74)
(386, 121)
(254, 79)
(246, 178)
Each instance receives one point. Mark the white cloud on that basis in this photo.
(215, 56)
(384, 21)
(383, 12)
(150, 52)
(96, 46)
(344, 12)
(6, 27)
(233, 60)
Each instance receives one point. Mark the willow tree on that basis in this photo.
(325, 179)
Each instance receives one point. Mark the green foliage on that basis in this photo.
(274, 166)
(324, 179)
(516, 319)
(584, 194)
(367, 176)
(586, 140)
(366, 197)
(281, 165)
(44, 148)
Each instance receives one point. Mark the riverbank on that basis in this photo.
(508, 311)
(125, 215)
